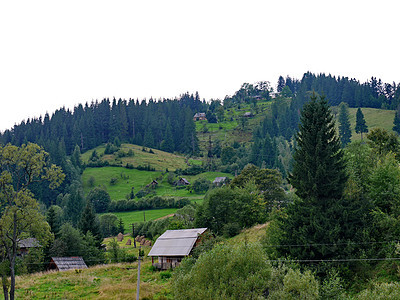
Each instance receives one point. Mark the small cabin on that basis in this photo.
(199, 117)
(26, 244)
(220, 181)
(152, 184)
(248, 114)
(182, 181)
(173, 246)
(67, 263)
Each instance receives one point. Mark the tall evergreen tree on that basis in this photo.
(361, 126)
(319, 177)
(89, 222)
(344, 124)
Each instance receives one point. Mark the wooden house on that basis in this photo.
(26, 244)
(182, 181)
(199, 116)
(152, 184)
(173, 245)
(67, 263)
(220, 181)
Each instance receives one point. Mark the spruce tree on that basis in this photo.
(89, 222)
(344, 124)
(361, 126)
(317, 218)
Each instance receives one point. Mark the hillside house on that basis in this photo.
(220, 181)
(26, 244)
(67, 263)
(247, 114)
(199, 117)
(182, 181)
(152, 184)
(174, 245)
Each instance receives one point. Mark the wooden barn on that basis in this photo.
(173, 245)
(67, 263)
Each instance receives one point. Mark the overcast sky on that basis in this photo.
(61, 53)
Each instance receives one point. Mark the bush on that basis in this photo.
(100, 199)
(165, 275)
(113, 181)
(225, 272)
(201, 185)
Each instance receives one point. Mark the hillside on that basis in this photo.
(159, 160)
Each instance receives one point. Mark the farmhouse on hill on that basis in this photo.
(67, 263)
(173, 245)
(199, 116)
(182, 181)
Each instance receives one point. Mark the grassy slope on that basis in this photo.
(114, 281)
(130, 217)
(160, 160)
(128, 178)
(374, 118)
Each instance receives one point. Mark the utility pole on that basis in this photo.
(144, 216)
(138, 275)
(133, 235)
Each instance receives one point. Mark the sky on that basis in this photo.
(57, 54)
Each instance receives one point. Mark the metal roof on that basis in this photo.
(69, 263)
(176, 242)
(29, 243)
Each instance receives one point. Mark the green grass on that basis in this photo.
(158, 160)
(374, 118)
(139, 215)
(114, 281)
(128, 178)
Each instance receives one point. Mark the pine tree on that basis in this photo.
(344, 124)
(319, 178)
(361, 126)
(318, 168)
(89, 222)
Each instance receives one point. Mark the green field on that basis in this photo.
(130, 217)
(158, 160)
(128, 178)
(374, 118)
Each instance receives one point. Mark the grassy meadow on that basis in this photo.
(128, 178)
(159, 160)
(130, 217)
(374, 118)
(113, 281)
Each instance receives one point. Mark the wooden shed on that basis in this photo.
(26, 244)
(182, 181)
(67, 263)
(173, 245)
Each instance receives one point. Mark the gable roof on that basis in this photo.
(176, 242)
(29, 243)
(219, 179)
(69, 263)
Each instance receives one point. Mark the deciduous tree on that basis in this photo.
(20, 215)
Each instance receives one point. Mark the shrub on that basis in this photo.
(225, 272)
(113, 181)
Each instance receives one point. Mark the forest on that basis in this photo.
(331, 202)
